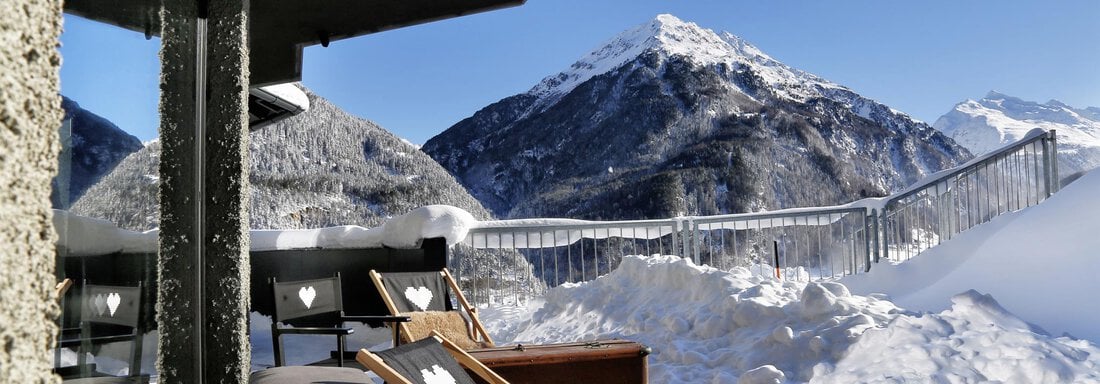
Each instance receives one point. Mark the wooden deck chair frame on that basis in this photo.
(471, 311)
(61, 289)
(387, 373)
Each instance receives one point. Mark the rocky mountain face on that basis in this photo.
(91, 146)
(318, 169)
(998, 119)
(672, 119)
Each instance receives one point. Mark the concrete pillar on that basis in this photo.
(202, 311)
(30, 115)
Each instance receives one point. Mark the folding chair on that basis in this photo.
(432, 360)
(106, 310)
(312, 302)
(425, 297)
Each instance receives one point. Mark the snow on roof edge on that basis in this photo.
(87, 236)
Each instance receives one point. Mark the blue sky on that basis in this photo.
(920, 57)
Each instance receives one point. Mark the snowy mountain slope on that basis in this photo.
(669, 118)
(997, 119)
(318, 169)
(90, 149)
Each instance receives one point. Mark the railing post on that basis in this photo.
(872, 234)
(695, 241)
(868, 231)
(884, 222)
(685, 235)
(1046, 168)
(1055, 180)
(675, 228)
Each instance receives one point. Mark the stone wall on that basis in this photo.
(30, 114)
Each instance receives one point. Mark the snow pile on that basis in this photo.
(289, 93)
(710, 326)
(1041, 263)
(403, 231)
(346, 236)
(429, 222)
(975, 341)
(85, 236)
(705, 325)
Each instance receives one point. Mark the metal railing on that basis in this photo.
(1014, 177)
(557, 251)
(801, 244)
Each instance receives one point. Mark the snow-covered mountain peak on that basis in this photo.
(994, 94)
(670, 36)
(665, 31)
(997, 119)
(1057, 104)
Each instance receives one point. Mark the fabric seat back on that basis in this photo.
(295, 299)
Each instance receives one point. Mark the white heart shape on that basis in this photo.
(420, 297)
(307, 294)
(99, 304)
(437, 375)
(113, 300)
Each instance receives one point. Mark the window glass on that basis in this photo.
(105, 201)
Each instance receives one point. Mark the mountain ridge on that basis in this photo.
(997, 119)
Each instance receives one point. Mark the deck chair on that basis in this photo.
(317, 301)
(425, 297)
(61, 289)
(114, 311)
(432, 360)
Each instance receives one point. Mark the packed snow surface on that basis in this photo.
(710, 326)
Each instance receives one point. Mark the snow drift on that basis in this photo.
(712, 326)
(1041, 263)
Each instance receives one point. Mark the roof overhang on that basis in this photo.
(279, 30)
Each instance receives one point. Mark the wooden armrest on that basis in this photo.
(390, 319)
(95, 340)
(317, 331)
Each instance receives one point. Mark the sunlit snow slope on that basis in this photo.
(1042, 263)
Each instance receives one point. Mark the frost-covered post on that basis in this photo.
(203, 263)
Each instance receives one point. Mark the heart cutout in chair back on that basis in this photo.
(99, 304)
(437, 375)
(113, 300)
(420, 297)
(307, 294)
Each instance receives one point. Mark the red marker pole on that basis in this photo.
(775, 244)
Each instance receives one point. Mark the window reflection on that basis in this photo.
(107, 238)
